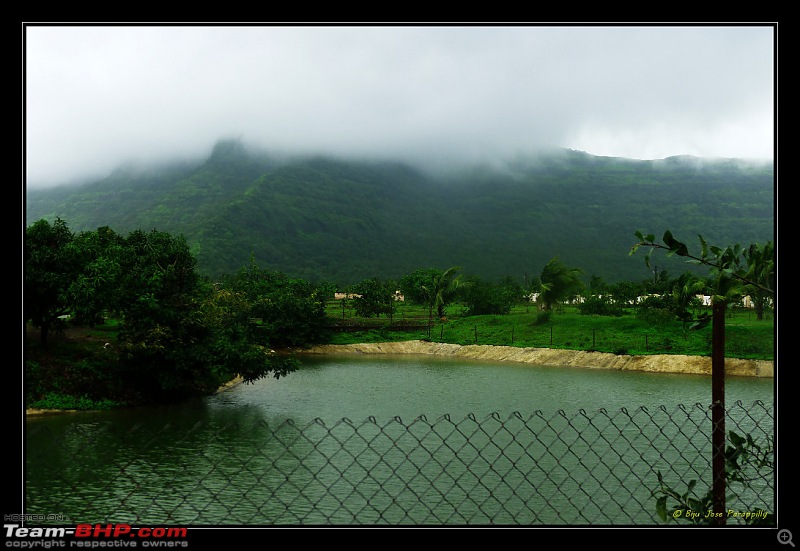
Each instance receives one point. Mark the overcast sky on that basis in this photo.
(96, 97)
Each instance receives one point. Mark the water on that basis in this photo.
(393, 440)
(385, 386)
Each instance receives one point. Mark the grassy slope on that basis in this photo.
(746, 337)
(80, 354)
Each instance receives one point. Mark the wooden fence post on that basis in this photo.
(718, 410)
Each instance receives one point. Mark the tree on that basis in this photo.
(234, 343)
(51, 263)
(179, 335)
(762, 257)
(413, 285)
(433, 288)
(294, 313)
(441, 289)
(559, 282)
(625, 293)
(375, 297)
(733, 270)
(162, 338)
(93, 291)
(483, 297)
(291, 311)
(597, 285)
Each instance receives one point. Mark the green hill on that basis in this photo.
(345, 220)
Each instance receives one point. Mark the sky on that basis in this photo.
(97, 97)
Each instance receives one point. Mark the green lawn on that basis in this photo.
(746, 337)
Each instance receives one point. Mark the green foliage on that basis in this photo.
(559, 282)
(654, 313)
(482, 297)
(344, 221)
(291, 311)
(162, 341)
(744, 460)
(625, 293)
(734, 269)
(72, 369)
(92, 291)
(600, 306)
(414, 285)
(178, 336)
(234, 345)
(543, 318)
(761, 262)
(433, 288)
(294, 315)
(57, 401)
(746, 337)
(375, 297)
(50, 262)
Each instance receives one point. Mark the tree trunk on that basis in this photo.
(718, 409)
(44, 332)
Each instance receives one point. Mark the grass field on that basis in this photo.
(566, 328)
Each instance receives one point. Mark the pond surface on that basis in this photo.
(386, 386)
(377, 439)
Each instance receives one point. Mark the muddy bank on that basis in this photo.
(661, 363)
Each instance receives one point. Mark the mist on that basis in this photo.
(97, 97)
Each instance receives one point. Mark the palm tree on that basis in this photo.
(441, 290)
(558, 283)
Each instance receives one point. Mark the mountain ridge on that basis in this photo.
(331, 218)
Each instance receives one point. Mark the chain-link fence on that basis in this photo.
(582, 468)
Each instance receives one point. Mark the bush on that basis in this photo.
(53, 400)
(482, 298)
(655, 316)
(543, 317)
(600, 306)
(657, 310)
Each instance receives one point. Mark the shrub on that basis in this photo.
(543, 317)
(600, 306)
(655, 316)
(54, 400)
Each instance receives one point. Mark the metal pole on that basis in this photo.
(718, 409)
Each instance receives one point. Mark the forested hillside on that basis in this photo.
(343, 220)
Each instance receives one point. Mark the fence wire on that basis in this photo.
(582, 468)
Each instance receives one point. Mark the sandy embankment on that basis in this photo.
(659, 363)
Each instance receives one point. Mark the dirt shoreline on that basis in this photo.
(656, 363)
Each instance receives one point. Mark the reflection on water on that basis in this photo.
(355, 387)
(414, 440)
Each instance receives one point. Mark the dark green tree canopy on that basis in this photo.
(47, 274)
(559, 282)
(375, 297)
(179, 335)
(433, 288)
(484, 297)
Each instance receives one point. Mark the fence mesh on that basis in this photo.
(581, 468)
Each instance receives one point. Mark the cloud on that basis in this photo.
(97, 96)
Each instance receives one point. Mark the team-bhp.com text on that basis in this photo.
(94, 536)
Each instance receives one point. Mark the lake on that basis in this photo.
(400, 439)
